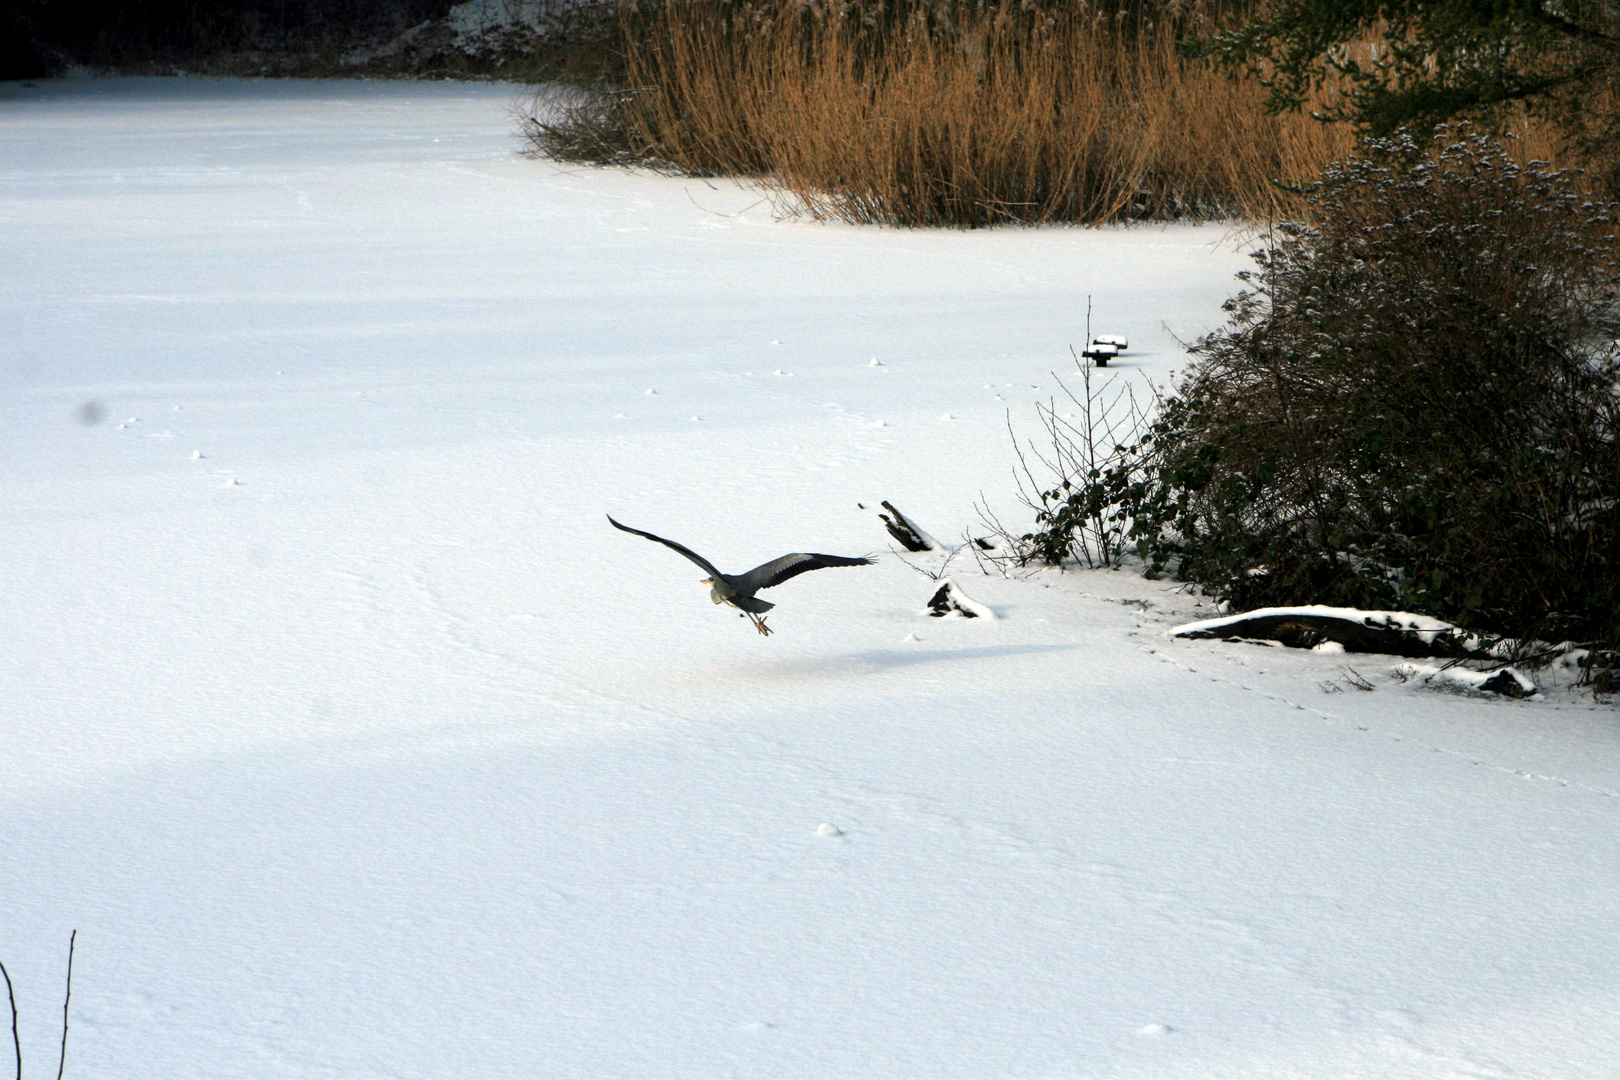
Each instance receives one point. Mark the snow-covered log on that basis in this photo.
(1397, 633)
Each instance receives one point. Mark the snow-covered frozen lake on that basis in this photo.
(355, 743)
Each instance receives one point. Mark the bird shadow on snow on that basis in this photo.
(898, 658)
(719, 679)
(874, 661)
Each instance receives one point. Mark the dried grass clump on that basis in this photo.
(949, 112)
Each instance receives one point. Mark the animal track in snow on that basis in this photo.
(1280, 699)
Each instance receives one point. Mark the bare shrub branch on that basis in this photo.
(1078, 463)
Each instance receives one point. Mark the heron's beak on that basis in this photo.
(707, 581)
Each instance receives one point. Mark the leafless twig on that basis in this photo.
(932, 575)
(1357, 680)
(66, 997)
(16, 1039)
(11, 997)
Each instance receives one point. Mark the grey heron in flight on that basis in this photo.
(738, 589)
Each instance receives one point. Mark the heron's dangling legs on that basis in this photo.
(759, 624)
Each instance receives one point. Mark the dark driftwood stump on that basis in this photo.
(1308, 631)
(901, 529)
(914, 539)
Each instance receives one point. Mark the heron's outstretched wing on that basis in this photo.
(779, 570)
(688, 552)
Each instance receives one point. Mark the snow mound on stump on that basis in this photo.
(950, 602)
(1509, 682)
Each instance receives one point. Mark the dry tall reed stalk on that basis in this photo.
(956, 114)
(951, 112)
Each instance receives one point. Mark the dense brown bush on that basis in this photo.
(1414, 405)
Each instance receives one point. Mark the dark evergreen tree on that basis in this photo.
(1415, 63)
(19, 55)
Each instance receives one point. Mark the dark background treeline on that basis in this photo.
(39, 37)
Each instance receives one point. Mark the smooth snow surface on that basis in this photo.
(361, 745)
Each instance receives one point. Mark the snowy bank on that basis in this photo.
(355, 742)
